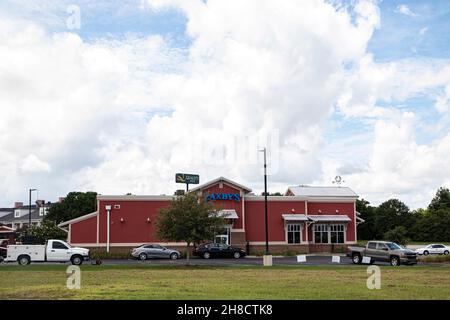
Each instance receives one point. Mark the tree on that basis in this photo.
(397, 235)
(276, 194)
(441, 200)
(366, 230)
(391, 214)
(46, 231)
(188, 220)
(76, 204)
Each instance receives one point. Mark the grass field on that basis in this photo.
(144, 282)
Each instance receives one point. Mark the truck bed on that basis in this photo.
(36, 252)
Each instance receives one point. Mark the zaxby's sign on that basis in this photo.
(223, 196)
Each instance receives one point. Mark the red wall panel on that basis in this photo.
(84, 231)
(254, 218)
(226, 204)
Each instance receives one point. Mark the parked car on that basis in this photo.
(218, 250)
(52, 251)
(382, 251)
(150, 251)
(433, 249)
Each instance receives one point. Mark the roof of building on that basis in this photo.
(221, 179)
(308, 191)
(11, 218)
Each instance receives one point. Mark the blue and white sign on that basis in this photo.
(223, 196)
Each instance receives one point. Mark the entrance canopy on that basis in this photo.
(295, 217)
(228, 214)
(329, 218)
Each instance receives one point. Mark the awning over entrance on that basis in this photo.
(228, 214)
(329, 218)
(295, 217)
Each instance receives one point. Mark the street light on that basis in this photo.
(265, 202)
(29, 209)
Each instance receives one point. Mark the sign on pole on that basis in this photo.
(187, 179)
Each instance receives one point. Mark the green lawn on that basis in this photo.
(156, 282)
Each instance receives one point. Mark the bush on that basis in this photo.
(40, 234)
(397, 235)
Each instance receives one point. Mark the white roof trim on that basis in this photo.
(228, 214)
(134, 198)
(295, 217)
(329, 218)
(219, 180)
(360, 220)
(85, 217)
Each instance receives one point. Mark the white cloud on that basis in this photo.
(118, 116)
(33, 164)
(404, 9)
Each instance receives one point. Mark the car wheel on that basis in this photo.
(395, 261)
(237, 255)
(24, 260)
(356, 258)
(174, 256)
(206, 255)
(143, 256)
(425, 253)
(76, 260)
(446, 252)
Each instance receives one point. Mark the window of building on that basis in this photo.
(16, 213)
(294, 233)
(337, 233)
(324, 233)
(321, 233)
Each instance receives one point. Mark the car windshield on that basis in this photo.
(393, 246)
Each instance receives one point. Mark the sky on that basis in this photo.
(118, 96)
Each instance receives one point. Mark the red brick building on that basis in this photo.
(305, 219)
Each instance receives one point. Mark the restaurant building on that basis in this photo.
(306, 219)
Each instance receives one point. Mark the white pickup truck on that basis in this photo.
(52, 251)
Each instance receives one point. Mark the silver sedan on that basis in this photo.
(152, 251)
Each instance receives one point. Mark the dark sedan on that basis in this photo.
(218, 250)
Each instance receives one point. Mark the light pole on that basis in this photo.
(29, 209)
(267, 258)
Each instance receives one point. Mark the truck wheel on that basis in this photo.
(356, 258)
(76, 260)
(24, 260)
(395, 261)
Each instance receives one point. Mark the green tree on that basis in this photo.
(391, 214)
(75, 204)
(441, 200)
(432, 226)
(188, 220)
(46, 231)
(366, 230)
(397, 235)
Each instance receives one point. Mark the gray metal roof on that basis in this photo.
(308, 191)
(10, 217)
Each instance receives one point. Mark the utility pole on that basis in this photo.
(267, 256)
(29, 209)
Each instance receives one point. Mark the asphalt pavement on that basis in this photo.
(311, 260)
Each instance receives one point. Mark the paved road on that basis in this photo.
(281, 261)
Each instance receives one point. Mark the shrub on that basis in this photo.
(397, 235)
